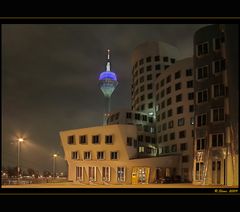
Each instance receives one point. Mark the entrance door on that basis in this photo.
(142, 178)
(92, 173)
(216, 172)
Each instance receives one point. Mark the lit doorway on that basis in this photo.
(140, 175)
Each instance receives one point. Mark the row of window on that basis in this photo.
(156, 59)
(83, 139)
(101, 155)
(171, 136)
(216, 140)
(170, 124)
(217, 67)
(203, 48)
(217, 114)
(147, 139)
(138, 116)
(105, 173)
(174, 148)
(218, 90)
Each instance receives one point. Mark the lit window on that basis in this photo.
(141, 149)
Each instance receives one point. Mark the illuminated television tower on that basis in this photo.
(107, 82)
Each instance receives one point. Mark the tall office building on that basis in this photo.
(216, 104)
(149, 60)
(175, 115)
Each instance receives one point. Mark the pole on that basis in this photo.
(18, 160)
(54, 164)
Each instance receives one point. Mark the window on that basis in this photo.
(180, 110)
(168, 78)
(160, 139)
(120, 174)
(114, 155)
(165, 67)
(153, 140)
(140, 138)
(162, 93)
(158, 67)
(129, 115)
(149, 68)
(150, 119)
(174, 148)
(170, 124)
(157, 107)
(163, 104)
(157, 86)
(177, 74)
(147, 139)
(100, 155)
(137, 116)
(201, 143)
(141, 62)
(191, 108)
(188, 72)
(129, 141)
(201, 120)
(164, 126)
(217, 114)
(218, 66)
(148, 59)
(144, 117)
(150, 105)
(199, 170)
(82, 139)
(172, 60)
(165, 138)
(141, 79)
(183, 146)
(149, 77)
(141, 149)
(181, 122)
(179, 98)
(190, 96)
(217, 90)
(163, 115)
(165, 59)
(150, 95)
(202, 96)
(216, 44)
(202, 72)
(71, 140)
(185, 158)
(166, 149)
(169, 113)
(169, 101)
(79, 173)
(87, 155)
(192, 121)
(168, 90)
(142, 107)
(108, 139)
(172, 136)
(75, 155)
(142, 88)
(141, 70)
(178, 86)
(162, 82)
(202, 49)
(92, 173)
(157, 58)
(106, 170)
(217, 139)
(149, 86)
(95, 139)
(182, 134)
(190, 84)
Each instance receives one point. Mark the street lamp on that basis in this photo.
(19, 141)
(54, 165)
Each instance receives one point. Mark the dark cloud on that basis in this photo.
(50, 79)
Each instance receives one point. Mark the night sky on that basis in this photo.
(50, 80)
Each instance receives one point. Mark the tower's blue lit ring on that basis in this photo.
(108, 75)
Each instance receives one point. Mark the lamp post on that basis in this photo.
(54, 165)
(19, 141)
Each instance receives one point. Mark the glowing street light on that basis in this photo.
(19, 141)
(54, 165)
